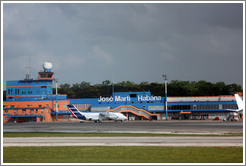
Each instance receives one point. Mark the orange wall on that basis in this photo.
(37, 111)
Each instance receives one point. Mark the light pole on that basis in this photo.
(165, 98)
(56, 100)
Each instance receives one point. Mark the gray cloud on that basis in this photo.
(136, 42)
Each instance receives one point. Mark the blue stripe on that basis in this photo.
(76, 112)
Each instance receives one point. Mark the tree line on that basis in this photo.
(175, 88)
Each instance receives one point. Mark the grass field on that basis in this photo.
(120, 154)
(49, 134)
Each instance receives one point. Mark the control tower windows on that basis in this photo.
(46, 75)
(43, 75)
(49, 75)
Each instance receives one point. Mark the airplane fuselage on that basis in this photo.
(97, 117)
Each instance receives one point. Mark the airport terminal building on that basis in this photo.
(31, 100)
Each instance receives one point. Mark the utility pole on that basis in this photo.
(165, 98)
(56, 100)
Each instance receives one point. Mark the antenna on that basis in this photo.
(27, 73)
(28, 68)
(112, 84)
(29, 64)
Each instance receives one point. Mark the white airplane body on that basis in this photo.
(97, 117)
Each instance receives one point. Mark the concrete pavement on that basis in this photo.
(123, 141)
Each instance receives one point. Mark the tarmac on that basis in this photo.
(178, 127)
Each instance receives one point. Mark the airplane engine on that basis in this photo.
(112, 116)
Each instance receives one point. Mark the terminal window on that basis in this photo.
(10, 91)
(133, 95)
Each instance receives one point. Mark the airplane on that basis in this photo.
(96, 117)
(240, 103)
(235, 112)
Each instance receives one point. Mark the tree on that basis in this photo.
(106, 83)
(84, 84)
(219, 88)
(66, 89)
(204, 88)
(233, 88)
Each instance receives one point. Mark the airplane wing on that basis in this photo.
(103, 116)
(109, 116)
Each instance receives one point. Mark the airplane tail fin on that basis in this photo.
(240, 103)
(75, 112)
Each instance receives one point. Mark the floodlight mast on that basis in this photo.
(165, 98)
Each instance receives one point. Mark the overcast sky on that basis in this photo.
(120, 42)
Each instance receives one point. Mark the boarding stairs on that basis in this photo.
(134, 110)
(230, 117)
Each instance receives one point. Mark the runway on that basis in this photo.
(123, 141)
(177, 127)
(193, 127)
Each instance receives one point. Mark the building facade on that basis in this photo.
(31, 100)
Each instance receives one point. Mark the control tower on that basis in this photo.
(33, 99)
(32, 90)
(46, 74)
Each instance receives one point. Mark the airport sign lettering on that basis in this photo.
(128, 98)
(149, 98)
